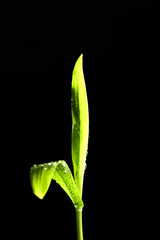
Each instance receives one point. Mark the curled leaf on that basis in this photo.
(42, 174)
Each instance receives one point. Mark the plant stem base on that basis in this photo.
(79, 223)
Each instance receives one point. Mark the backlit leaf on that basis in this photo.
(42, 174)
(80, 127)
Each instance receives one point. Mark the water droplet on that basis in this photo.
(85, 166)
(50, 164)
(65, 171)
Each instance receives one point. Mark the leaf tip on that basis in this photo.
(38, 196)
(80, 60)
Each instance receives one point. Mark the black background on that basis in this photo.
(39, 46)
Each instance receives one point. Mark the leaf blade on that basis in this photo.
(80, 120)
(64, 178)
(40, 178)
(42, 174)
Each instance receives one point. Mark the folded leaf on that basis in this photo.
(80, 127)
(42, 174)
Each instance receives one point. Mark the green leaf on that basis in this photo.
(42, 174)
(80, 127)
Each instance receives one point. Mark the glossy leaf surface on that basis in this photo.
(80, 127)
(42, 174)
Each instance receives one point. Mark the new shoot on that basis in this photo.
(42, 174)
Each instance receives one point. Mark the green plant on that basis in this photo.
(42, 174)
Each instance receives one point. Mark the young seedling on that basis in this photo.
(42, 174)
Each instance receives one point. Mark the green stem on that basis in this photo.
(79, 223)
